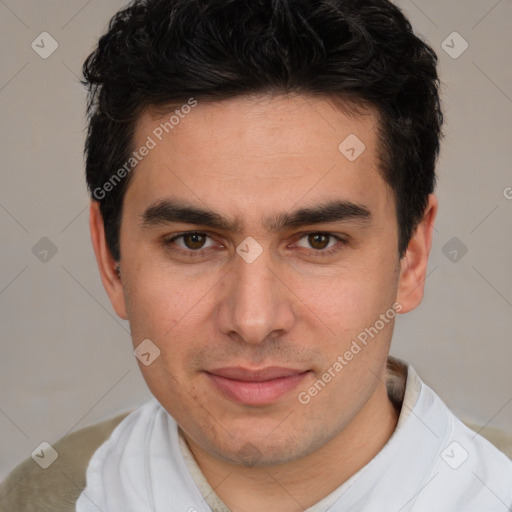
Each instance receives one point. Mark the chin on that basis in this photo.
(267, 448)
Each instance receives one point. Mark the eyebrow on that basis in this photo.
(168, 211)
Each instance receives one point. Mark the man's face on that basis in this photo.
(241, 337)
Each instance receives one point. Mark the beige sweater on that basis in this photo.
(29, 488)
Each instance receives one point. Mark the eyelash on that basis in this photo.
(168, 241)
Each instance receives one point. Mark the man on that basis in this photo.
(262, 178)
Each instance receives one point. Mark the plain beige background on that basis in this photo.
(66, 361)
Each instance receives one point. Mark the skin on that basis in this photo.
(246, 159)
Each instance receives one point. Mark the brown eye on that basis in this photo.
(194, 241)
(319, 241)
(321, 244)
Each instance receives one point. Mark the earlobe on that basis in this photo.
(413, 266)
(106, 264)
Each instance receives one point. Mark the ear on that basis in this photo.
(106, 264)
(413, 265)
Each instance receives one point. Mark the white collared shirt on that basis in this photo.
(431, 463)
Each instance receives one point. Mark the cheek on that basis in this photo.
(162, 309)
(348, 300)
(173, 310)
(160, 303)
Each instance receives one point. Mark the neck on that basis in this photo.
(297, 485)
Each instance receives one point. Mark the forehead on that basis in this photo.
(263, 124)
(253, 153)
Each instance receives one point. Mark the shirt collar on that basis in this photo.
(403, 387)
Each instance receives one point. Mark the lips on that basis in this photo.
(255, 387)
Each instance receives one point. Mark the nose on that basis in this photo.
(256, 304)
